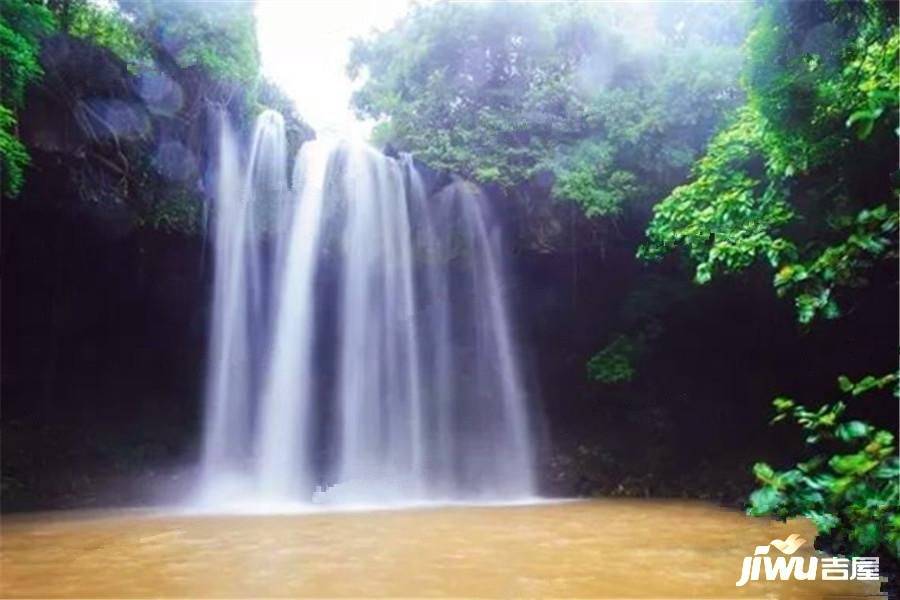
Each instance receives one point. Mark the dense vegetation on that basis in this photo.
(798, 175)
(747, 148)
(505, 94)
(802, 179)
(105, 136)
(21, 27)
(143, 114)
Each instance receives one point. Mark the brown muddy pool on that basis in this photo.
(585, 549)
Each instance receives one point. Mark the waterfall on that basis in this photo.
(238, 334)
(361, 348)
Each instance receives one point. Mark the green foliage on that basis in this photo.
(503, 94)
(641, 321)
(110, 29)
(201, 46)
(22, 24)
(726, 216)
(815, 126)
(800, 179)
(872, 236)
(614, 363)
(869, 382)
(848, 486)
(177, 211)
(589, 178)
(218, 37)
(14, 155)
(471, 89)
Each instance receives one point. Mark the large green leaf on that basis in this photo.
(765, 501)
(852, 430)
(859, 463)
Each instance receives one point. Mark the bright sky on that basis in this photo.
(304, 45)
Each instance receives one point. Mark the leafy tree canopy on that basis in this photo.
(851, 493)
(205, 48)
(219, 37)
(22, 24)
(503, 93)
(801, 177)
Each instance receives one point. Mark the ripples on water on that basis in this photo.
(610, 548)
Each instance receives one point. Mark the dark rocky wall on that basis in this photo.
(696, 416)
(105, 275)
(105, 312)
(102, 354)
(104, 332)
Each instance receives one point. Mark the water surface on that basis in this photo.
(600, 549)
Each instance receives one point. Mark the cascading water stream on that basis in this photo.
(287, 390)
(360, 336)
(238, 317)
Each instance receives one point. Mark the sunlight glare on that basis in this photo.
(304, 48)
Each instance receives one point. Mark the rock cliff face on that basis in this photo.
(106, 291)
(106, 269)
(132, 146)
